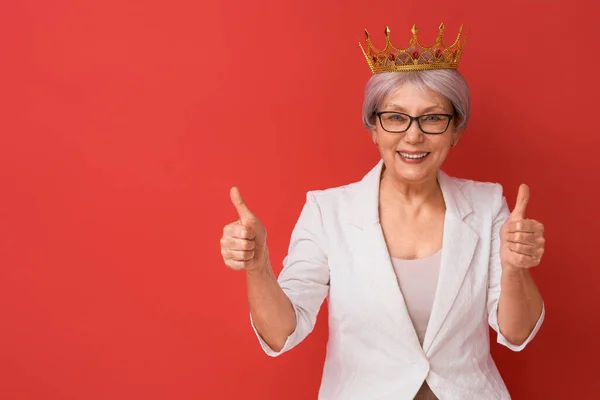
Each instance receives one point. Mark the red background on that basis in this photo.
(123, 124)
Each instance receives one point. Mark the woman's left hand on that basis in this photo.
(521, 239)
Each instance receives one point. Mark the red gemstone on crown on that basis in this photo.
(415, 54)
(391, 57)
(438, 53)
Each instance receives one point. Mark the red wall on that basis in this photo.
(124, 123)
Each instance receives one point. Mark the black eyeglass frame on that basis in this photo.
(380, 113)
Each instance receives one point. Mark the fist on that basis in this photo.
(243, 245)
(521, 239)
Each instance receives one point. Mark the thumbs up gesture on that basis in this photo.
(521, 239)
(243, 244)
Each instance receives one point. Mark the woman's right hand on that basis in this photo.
(243, 245)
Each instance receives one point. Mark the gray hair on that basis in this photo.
(446, 82)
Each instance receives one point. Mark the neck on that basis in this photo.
(411, 194)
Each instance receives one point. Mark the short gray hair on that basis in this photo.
(447, 82)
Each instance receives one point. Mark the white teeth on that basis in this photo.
(413, 156)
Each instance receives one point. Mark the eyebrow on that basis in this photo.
(396, 107)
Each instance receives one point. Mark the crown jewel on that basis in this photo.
(415, 57)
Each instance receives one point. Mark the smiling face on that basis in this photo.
(413, 156)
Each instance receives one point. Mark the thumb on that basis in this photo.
(242, 209)
(521, 205)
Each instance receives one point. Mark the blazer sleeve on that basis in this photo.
(501, 213)
(305, 274)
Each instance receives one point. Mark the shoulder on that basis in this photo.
(482, 195)
(478, 190)
(364, 187)
(334, 195)
(337, 204)
(333, 192)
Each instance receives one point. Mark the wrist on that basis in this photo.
(510, 272)
(261, 265)
(258, 270)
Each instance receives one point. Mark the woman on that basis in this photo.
(415, 264)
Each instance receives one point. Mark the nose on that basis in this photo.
(413, 134)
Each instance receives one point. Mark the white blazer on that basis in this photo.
(338, 251)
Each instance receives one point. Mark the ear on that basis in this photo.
(455, 132)
(455, 137)
(373, 133)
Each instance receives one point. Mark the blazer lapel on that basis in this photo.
(459, 242)
(371, 249)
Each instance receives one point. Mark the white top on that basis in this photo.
(418, 281)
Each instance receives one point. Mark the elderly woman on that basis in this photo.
(415, 264)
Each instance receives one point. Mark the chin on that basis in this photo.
(415, 172)
(413, 175)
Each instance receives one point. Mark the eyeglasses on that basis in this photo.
(397, 122)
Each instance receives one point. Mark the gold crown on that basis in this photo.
(415, 57)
